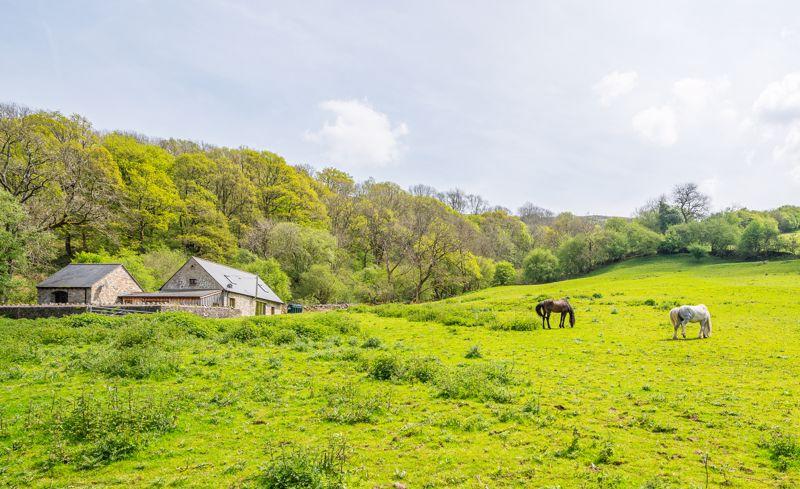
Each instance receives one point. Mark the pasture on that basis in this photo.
(466, 392)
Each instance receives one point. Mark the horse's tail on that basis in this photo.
(540, 309)
(571, 317)
(673, 316)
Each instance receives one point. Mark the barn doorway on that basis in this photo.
(60, 297)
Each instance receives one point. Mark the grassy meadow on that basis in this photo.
(467, 392)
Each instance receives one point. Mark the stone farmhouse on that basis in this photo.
(87, 283)
(202, 282)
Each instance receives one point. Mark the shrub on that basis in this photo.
(698, 250)
(284, 337)
(504, 273)
(386, 367)
(88, 320)
(371, 342)
(423, 369)
(242, 332)
(783, 450)
(540, 265)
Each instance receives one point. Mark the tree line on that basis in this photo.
(71, 193)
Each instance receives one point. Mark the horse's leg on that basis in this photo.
(563, 315)
(548, 321)
(683, 328)
(675, 334)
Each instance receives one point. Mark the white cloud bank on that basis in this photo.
(657, 125)
(780, 101)
(359, 136)
(615, 84)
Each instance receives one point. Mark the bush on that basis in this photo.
(88, 320)
(371, 342)
(504, 273)
(540, 265)
(386, 367)
(698, 250)
(783, 450)
(760, 238)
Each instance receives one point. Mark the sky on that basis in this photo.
(591, 107)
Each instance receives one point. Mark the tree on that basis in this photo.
(504, 273)
(759, 238)
(534, 216)
(319, 284)
(295, 247)
(150, 199)
(691, 203)
(575, 255)
(12, 241)
(540, 265)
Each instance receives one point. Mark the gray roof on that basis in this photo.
(80, 275)
(173, 293)
(237, 281)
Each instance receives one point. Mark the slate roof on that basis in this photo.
(80, 275)
(238, 281)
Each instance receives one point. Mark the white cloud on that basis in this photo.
(789, 151)
(615, 85)
(697, 94)
(359, 135)
(657, 125)
(780, 101)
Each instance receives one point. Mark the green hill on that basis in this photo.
(467, 392)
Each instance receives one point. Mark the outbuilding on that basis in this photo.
(201, 282)
(87, 283)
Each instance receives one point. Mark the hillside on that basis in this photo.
(386, 396)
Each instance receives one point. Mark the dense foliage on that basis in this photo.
(71, 193)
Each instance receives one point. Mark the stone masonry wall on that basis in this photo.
(60, 310)
(74, 295)
(110, 287)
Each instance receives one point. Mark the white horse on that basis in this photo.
(691, 314)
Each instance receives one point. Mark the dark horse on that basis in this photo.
(544, 308)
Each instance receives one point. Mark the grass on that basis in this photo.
(466, 392)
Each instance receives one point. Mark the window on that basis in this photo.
(272, 310)
(192, 281)
(232, 303)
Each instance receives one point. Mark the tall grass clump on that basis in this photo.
(107, 429)
(348, 405)
(483, 382)
(783, 450)
(305, 468)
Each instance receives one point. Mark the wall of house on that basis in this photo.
(247, 304)
(109, 288)
(190, 270)
(74, 295)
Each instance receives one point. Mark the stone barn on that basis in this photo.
(202, 282)
(87, 283)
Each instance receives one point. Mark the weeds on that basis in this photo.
(783, 449)
(348, 405)
(303, 468)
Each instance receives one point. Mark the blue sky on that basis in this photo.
(592, 107)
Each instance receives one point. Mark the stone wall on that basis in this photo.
(110, 287)
(74, 295)
(324, 307)
(60, 310)
(191, 271)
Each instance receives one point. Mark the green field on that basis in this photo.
(387, 397)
